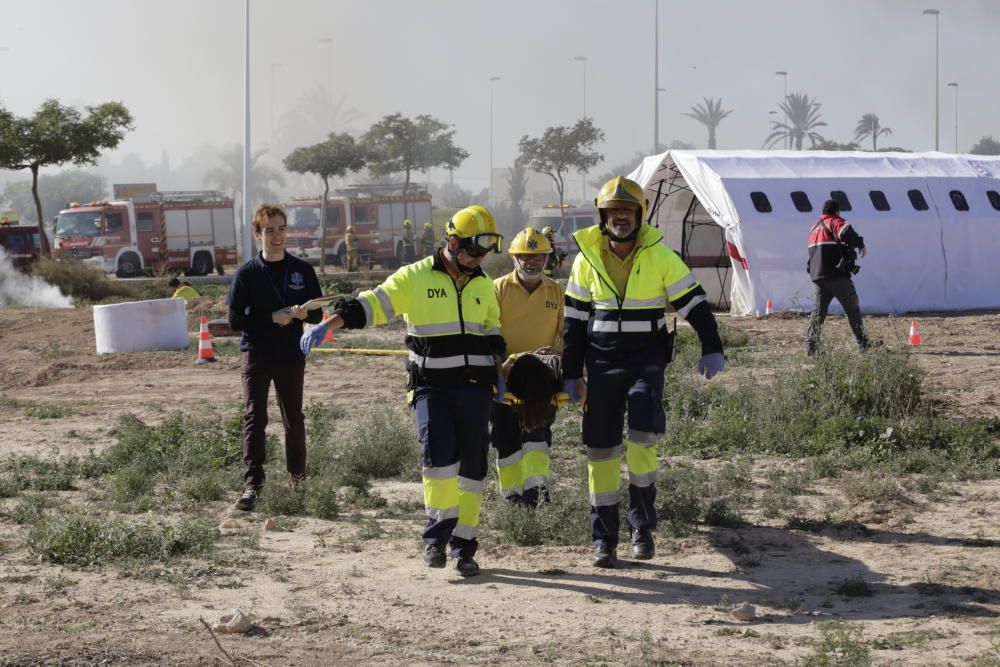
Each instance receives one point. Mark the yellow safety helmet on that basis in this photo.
(428, 225)
(621, 190)
(407, 223)
(547, 230)
(475, 227)
(529, 241)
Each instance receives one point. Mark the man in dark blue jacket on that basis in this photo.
(264, 303)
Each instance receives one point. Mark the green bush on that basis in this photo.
(21, 473)
(131, 489)
(29, 509)
(857, 410)
(80, 281)
(280, 499)
(321, 498)
(82, 540)
(380, 443)
(841, 645)
(562, 521)
(688, 496)
(179, 447)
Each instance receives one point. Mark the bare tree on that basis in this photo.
(560, 149)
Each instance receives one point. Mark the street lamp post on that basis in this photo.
(954, 85)
(658, 91)
(329, 82)
(3, 49)
(583, 180)
(274, 68)
(656, 76)
(247, 236)
(937, 84)
(493, 79)
(784, 102)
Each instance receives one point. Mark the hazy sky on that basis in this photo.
(178, 66)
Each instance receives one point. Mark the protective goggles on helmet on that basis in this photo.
(480, 244)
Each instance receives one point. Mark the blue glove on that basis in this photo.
(501, 389)
(710, 364)
(312, 338)
(569, 387)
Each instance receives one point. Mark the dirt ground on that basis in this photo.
(324, 597)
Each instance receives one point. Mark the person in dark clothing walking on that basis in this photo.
(264, 303)
(833, 248)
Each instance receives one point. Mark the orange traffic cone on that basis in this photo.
(914, 334)
(769, 308)
(206, 354)
(329, 336)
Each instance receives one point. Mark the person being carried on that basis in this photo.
(619, 286)
(264, 303)
(182, 289)
(831, 264)
(531, 320)
(453, 334)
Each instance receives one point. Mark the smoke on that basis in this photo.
(21, 289)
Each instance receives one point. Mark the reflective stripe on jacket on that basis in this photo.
(610, 325)
(452, 334)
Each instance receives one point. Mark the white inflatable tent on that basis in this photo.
(741, 219)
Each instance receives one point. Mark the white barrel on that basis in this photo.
(141, 326)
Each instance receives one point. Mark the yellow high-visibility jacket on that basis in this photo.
(453, 334)
(602, 322)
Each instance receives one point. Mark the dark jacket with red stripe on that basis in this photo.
(826, 249)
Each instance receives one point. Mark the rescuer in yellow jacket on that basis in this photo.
(427, 240)
(351, 249)
(453, 334)
(409, 250)
(615, 328)
(531, 320)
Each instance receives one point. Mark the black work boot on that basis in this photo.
(604, 556)
(642, 547)
(466, 566)
(248, 500)
(435, 555)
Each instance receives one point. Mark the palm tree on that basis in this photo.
(869, 126)
(803, 119)
(709, 115)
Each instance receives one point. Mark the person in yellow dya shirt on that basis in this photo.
(182, 290)
(531, 320)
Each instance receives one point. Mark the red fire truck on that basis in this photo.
(143, 230)
(374, 211)
(20, 242)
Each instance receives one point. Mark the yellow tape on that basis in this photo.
(358, 350)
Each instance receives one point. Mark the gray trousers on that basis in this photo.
(841, 288)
